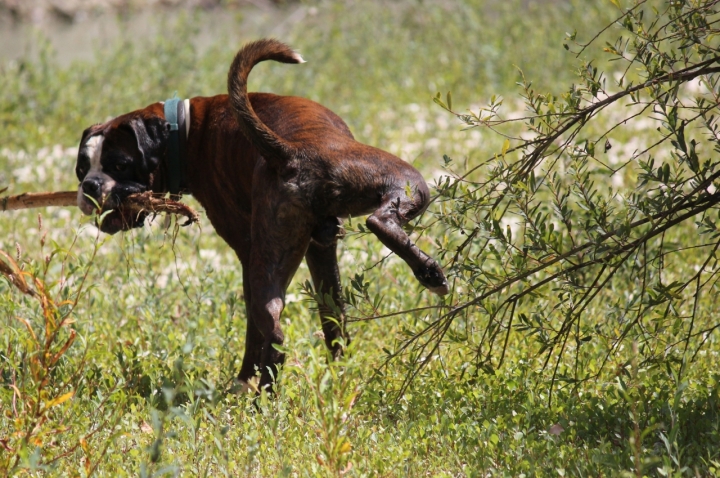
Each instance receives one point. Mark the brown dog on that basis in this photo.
(275, 175)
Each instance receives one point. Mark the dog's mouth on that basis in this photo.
(115, 212)
(120, 219)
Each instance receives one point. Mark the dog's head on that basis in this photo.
(117, 159)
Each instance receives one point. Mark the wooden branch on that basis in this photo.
(141, 202)
(34, 200)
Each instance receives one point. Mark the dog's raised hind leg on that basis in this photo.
(396, 209)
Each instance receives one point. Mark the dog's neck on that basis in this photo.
(219, 167)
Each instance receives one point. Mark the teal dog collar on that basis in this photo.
(175, 115)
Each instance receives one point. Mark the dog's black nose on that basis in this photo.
(91, 186)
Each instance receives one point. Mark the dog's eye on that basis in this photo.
(120, 168)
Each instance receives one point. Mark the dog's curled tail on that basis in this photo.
(276, 151)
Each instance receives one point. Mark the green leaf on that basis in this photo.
(440, 102)
(62, 398)
(590, 148)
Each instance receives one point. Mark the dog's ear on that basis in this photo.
(151, 135)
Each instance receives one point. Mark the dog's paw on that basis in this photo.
(432, 277)
(242, 387)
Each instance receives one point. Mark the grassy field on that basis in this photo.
(126, 366)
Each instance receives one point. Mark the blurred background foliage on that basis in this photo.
(364, 58)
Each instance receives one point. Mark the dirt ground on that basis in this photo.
(41, 11)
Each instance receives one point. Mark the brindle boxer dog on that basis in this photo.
(276, 175)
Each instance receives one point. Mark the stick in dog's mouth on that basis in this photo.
(137, 204)
(148, 203)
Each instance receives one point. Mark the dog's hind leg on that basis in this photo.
(270, 272)
(396, 209)
(272, 267)
(280, 233)
(253, 337)
(321, 258)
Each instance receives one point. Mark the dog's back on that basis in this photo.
(298, 121)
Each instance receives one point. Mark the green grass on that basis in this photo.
(158, 320)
